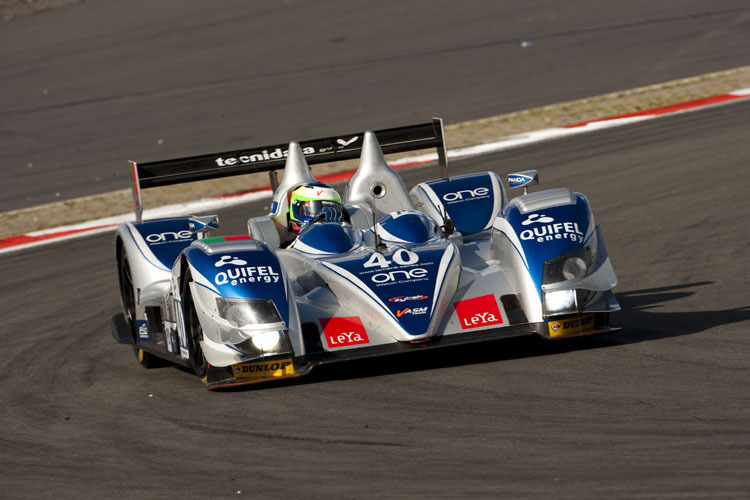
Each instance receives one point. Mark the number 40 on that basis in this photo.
(402, 257)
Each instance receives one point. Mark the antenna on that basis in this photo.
(379, 245)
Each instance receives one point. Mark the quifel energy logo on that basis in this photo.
(478, 312)
(344, 331)
(546, 229)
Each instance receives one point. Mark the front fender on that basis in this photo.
(539, 227)
(236, 269)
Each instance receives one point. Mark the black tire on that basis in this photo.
(127, 298)
(193, 330)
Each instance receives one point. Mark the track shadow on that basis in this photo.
(417, 360)
(433, 359)
(641, 319)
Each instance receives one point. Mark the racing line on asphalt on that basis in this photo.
(52, 235)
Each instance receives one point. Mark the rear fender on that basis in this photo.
(472, 201)
(151, 248)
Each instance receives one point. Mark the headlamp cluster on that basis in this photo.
(258, 323)
(572, 266)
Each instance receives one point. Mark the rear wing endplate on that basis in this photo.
(272, 158)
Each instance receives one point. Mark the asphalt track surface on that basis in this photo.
(86, 88)
(660, 410)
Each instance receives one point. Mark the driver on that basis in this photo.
(314, 202)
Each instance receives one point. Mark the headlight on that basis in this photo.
(574, 268)
(266, 341)
(259, 330)
(573, 265)
(259, 344)
(250, 313)
(560, 301)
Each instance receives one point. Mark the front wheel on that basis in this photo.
(193, 331)
(127, 296)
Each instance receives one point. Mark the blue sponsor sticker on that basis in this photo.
(518, 180)
(142, 330)
(470, 201)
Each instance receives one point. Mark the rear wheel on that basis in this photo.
(193, 330)
(127, 296)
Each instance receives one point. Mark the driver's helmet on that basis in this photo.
(314, 200)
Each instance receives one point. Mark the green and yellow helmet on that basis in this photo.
(310, 200)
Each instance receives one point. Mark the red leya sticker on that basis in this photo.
(478, 312)
(346, 331)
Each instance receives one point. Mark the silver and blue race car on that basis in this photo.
(452, 261)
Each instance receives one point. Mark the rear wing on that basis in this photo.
(272, 158)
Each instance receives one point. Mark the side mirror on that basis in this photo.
(448, 227)
(523, 179)
(203, 224)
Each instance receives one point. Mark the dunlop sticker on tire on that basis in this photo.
(263, 369)
(571, 326)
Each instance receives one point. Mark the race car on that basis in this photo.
(451, 261)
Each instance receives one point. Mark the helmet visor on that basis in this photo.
(306, 210)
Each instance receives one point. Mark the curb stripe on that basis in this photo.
(25, 239)
(673, 108)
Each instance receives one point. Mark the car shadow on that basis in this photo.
(639, 317)
(642, 320)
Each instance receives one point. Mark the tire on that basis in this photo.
(193, 330)
(127, 298)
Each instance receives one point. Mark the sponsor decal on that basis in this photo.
(400, 276)
(537, 218)
(181, 334)
(142, 329)
(228, 259)
(170, 336)
(408, 298)
(344, 331)
(344, 143)
(478, 312)
(264, 155)
(403, 265)
(571, 326)
(168, 237)
(263, 369)
(467, 194)
(518, 180)
(412, 310)
(549, 230)
(247, 274)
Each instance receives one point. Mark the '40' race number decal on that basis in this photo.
(401, 269)
(401, 257)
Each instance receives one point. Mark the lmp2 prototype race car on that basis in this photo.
(380, 271)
